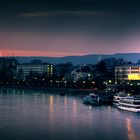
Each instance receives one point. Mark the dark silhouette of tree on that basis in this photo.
(63, 69)
(101, 69)
(20, 75)
(138, 62)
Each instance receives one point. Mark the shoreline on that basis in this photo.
(52, 90)
(56, 90)
(107, 98)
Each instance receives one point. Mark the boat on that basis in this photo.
(91, 99)
(130, 103)
(62, 94)
(117, 97)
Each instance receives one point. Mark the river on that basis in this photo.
(36, 115)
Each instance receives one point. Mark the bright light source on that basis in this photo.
(134, 76)
(89, 74)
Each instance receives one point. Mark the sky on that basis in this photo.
(69, 27)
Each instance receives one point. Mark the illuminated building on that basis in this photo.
(34, 68)
(127, 73)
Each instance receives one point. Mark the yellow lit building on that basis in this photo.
(129, 73)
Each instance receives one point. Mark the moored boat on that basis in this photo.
(117, 97)
(91, 99)
(131, 103)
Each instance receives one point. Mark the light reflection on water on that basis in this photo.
(31, 115)
(130, 130)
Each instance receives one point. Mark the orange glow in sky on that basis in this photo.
(36, 53)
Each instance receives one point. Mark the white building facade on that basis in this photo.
(28, 68)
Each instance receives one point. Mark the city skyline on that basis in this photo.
(67, 28)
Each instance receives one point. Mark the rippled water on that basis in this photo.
(34, 115)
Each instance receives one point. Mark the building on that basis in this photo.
(8, 67)
(127, 73)
(23, 70)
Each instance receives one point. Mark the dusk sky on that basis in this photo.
(69, 27)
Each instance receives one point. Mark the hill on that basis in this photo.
(86, 59)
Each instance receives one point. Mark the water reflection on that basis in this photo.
(74, 106)
(34, 115)
(51, 104)
(130, 131)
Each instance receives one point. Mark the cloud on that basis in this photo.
(35, 14)
(49, 13)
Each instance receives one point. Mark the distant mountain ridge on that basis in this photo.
(85, 59)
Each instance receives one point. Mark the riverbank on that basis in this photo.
(106, 98)
(56, 90)
(49, 90)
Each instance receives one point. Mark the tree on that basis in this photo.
(138, 62)
(63, 69)
(20, 75)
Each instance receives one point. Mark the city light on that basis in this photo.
(133, 76)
